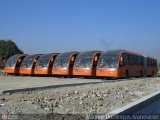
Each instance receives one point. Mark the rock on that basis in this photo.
(132, 93)
(98, 94)
(66, 94)
(139, 93)
(122, 102)
(81, 98)
(38, 100)
(122, 96)
(125, 89)
(45, 98)
(115, 97)
(75, 98)
(99, 104)
(80, 102)
(75, 92)
(31, 102)
(92, 96)
(84, 95)
(1, 105)
(105, 95)
(100, 99)
(37, 107)
(3, 99)
(9, 93)
(47, 109)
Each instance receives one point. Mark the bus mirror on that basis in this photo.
(72, 59)
(35, 61)
(121, 59)
(19, 60)
(96, 58)
(52, 60)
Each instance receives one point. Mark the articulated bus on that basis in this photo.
(85, 64)
(63, 64)
(13, 64)
(120, 63)
(28, 64)
(150, 66)
(44, 64)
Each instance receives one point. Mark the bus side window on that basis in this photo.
(125, 60)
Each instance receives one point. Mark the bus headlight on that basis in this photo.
(65, 69)
(113, 69)
(87, 69)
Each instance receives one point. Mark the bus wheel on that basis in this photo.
(153, 74)
(141, 73)
(127, 74)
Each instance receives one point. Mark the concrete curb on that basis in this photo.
(55, 86)
(133, 107)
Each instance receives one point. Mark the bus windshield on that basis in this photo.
(43, 61)
(27, 62)
(108, 61)
(83, 61)
(61, 61)
(12, 61)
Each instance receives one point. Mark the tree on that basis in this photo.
(7, 49)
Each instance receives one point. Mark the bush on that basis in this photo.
(7, 49)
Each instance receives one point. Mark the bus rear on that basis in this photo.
(28, 64)
(63, 64)
(151, 66)
(12, 65)
(44, 64)
(85, 63)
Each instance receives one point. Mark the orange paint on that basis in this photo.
(85, 64)
(47, 69)
(13, 64)
(28, 64)
(63, 64)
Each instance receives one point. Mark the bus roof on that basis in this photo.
(150, 57)
(34, 55)
(17, 56)
(90, 52)
(49, 54)
(68, 53)
(118, 52)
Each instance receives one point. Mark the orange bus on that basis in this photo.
(63, 64)
(28, 64)
(119, 64)
(44, 64)
(151, 66)
(13, 64)
(85, 64)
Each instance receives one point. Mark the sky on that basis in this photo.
(45, 26)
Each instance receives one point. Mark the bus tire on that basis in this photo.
(153, 74)
(127, 74)
(141, 74)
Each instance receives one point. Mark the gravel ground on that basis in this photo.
(77, 101)
(88, 99)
